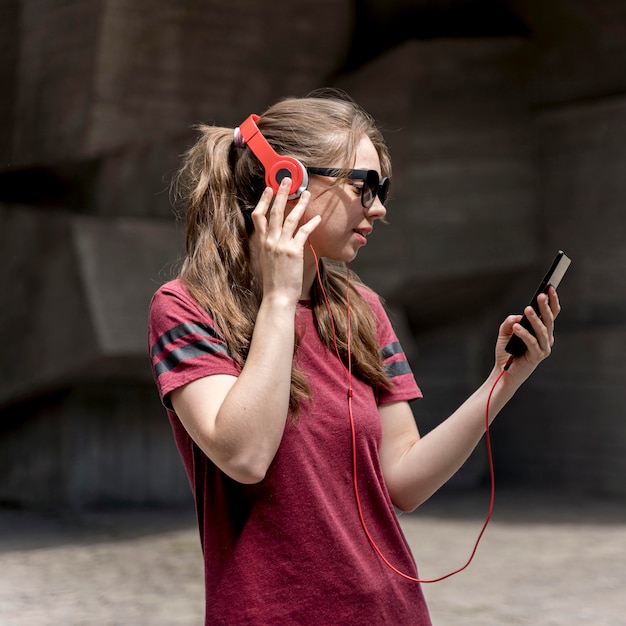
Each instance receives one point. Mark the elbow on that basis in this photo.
(247, 471)
(401, 496)
(405, 506)
(246, 476)
(407, 500)
(246, 464)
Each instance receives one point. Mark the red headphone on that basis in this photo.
(276, 166)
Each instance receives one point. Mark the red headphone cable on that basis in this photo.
(348, 371)
(491, 499)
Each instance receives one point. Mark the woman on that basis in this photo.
(276, 367)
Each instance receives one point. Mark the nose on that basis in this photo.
(377, 211)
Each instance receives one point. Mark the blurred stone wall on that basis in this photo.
(506, 122)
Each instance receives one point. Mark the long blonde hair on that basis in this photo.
(217, 187)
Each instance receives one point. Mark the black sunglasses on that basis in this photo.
(372, 185)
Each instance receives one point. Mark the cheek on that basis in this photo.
(332, 224)
(332, 205)
(329, 205)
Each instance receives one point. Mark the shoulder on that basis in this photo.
(184, 343)
(170, 291)
(173, 310)
(172, 298)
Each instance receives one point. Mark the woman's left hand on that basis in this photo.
(539, 346)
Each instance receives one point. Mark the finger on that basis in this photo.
(260, 211)
(277, 214)
(506, 328)
(306, 229)
(533, 346)
(295, 216)
(555, 303)
(542, 334)
(550, 308)
(551, 312)
(545, 311)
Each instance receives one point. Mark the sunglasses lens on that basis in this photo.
(383, 190)
(370, 189)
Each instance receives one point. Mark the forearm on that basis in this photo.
(430, 461)
(415, 467)
(250, 422)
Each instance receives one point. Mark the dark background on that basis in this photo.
(507, 126)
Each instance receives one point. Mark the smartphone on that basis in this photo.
(516, 346)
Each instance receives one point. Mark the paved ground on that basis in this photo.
(544, 560)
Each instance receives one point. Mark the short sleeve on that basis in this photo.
(393, 356)
(184, 343)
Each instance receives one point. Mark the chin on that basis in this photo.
(346, 255)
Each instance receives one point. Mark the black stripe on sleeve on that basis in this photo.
(395, 368)
(391, 349)
(185, 353)
(205, 340)
(187, 328)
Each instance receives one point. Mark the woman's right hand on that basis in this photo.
(281, 241)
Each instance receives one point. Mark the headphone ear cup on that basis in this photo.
(276, 166)
(284, 167)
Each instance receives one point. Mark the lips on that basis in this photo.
(362, 234)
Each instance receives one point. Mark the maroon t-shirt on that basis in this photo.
(291, 549)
